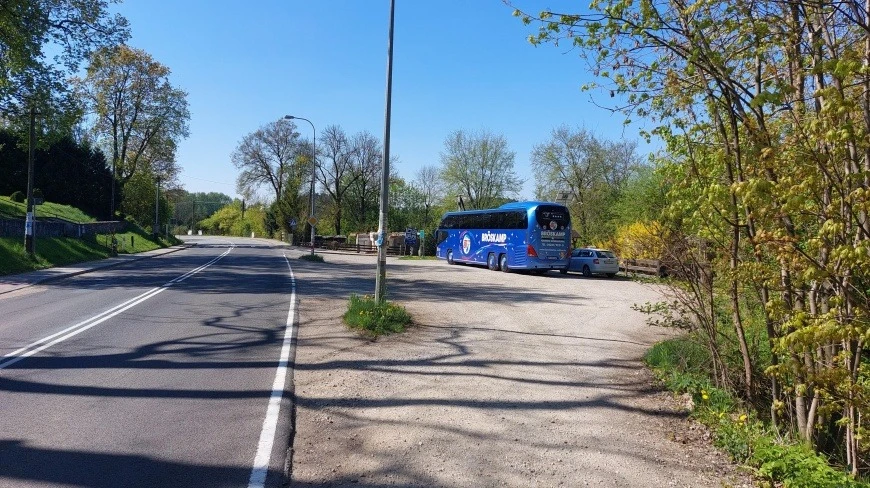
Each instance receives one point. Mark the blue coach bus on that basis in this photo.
(532, 236)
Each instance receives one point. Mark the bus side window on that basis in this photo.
(498, 220)
(441, 236)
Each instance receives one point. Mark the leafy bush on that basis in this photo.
(376, 318)
(17, 197)
(37, 193)
(679, 364)
(639, 240)
(314, 258)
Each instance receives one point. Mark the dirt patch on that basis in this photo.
(505, 380)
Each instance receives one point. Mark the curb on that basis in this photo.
(47, 279)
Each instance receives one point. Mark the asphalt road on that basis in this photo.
(159, 373)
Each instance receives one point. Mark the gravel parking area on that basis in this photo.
(504, 380)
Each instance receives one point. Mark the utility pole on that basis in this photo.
(156, 228)
(381, 277)
(30, 223)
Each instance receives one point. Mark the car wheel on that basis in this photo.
(502, 263)
(492, 262)
(450, 258)
(563, 271)
(586, 271)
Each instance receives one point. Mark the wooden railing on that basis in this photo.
(357, 248)
(644, 266)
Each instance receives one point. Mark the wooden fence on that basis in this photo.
(644, 266)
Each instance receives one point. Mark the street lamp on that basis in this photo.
(311, 219)
(381, 276)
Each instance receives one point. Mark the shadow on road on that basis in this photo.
(21, 462)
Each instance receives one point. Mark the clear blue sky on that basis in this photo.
(457, 65)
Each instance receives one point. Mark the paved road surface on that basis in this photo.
(157, 373)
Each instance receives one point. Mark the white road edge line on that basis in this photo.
(270, 423)
(46, 342)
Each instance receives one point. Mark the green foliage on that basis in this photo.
(767, 132)
(314, 258)
(480, 167)
(43, 43)
(138, 200)
(594, 173)
(17, 197)
(365, 314)
(797, 465)
(68, 172)
(189, 208)
(681, 364)
(229, 221)
(138, 113)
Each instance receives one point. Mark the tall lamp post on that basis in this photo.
(381, 276)
(311, 219)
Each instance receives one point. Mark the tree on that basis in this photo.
(139, 115)
(190, 208)
(765, 110)
(336, 169)
(67, 172)
(73, 29)
(480, 167)
(407, 205)
(363, 193)
(138, 202)
(592, 171)
(428, 182)
(270, 157)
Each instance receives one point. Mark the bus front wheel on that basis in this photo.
(450, 257)
(492, 262)
(502, 263)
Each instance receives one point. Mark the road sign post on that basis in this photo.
(411, 239)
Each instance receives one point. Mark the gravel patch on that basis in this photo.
(504, 380)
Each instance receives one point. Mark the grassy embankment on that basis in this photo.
(58, 251)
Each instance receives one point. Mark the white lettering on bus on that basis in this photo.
(493, 237)
(549, 234)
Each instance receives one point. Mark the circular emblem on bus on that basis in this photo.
(553, 225)
(466, 244)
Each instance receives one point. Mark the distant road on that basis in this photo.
(161, 373)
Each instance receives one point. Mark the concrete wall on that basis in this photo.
(15, 228)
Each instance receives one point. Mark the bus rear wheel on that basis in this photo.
(450, 257)
(492, 262)
(502, 263)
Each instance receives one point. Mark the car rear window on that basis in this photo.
(605, 254)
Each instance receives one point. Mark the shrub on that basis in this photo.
(17, 197)
(678, 363)
(314, 258)
(376, 318)
(37, 193)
